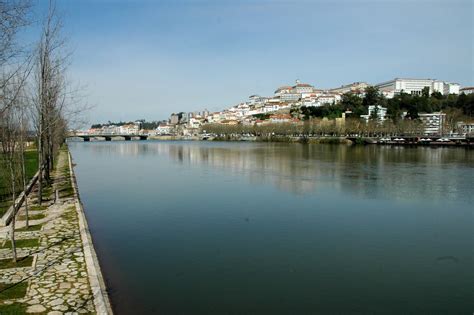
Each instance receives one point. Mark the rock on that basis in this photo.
(38, 308)
(56, 302)
(33, 302)
(60, 308)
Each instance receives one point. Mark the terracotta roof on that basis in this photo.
(285, 87)
(303, 85)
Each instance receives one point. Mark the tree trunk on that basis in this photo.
(40, 166)
(12, 224)
(23, 176)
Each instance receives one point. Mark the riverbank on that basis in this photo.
(411, 141)
(57, 271)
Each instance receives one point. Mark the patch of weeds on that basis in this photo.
(31, 242)
(13, 309)
(38, 208)
(10, 291)
(22, 262)
(30, 228)
(66, 192)
(38, 216)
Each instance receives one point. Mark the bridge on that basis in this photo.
(108, 137)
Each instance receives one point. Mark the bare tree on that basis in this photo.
(50, 96)
(9, 143)
(13, 17)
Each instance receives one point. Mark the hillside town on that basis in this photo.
(287, 102)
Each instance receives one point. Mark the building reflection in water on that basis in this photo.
(368, 171)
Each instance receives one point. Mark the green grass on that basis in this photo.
(13, 309)
(9, 291)
(38, 216)
(36, 227)
(66, 192)
(37, 208)
(31, 242)
(22, 262)
(31, 166)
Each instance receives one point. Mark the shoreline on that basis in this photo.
(302, 140)
(57, 271)
(94, 271)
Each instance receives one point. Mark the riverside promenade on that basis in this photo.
(58, 272)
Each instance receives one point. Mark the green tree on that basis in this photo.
(352, 102)
(372, 96)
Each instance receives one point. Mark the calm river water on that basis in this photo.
(257, 228)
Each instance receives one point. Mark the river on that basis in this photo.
(268, 228)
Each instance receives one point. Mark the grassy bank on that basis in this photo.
(31, 165)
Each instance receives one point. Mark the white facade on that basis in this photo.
(451, 88)
(467, 90)
(290, 97)
(356, 86)
(433, 122)
(466, 128)
(381, 113)
(416, 86)
(128, 129)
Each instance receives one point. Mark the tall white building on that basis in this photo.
(416, 86)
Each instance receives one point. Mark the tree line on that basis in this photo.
(401, 106)
(318, 127)
(36, 99)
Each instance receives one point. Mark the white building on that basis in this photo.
(467, 90)
(290, 97)
(353, 87)
(164, 129)
(301, 88)
(416, 86)
(328, 99)
(451, 88)
(381, 113)
(466, 128)
(131, 129)
(433, 122)
(195, 122)
(283, 90)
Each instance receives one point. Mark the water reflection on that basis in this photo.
(256, 228)
(367, 171)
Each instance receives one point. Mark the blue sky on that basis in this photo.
(146, 59)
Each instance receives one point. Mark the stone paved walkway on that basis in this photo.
(58, 280)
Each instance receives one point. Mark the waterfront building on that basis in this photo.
(130, 129)
(467, 90)
(165, 129)
(433, 123)
(466, 128)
